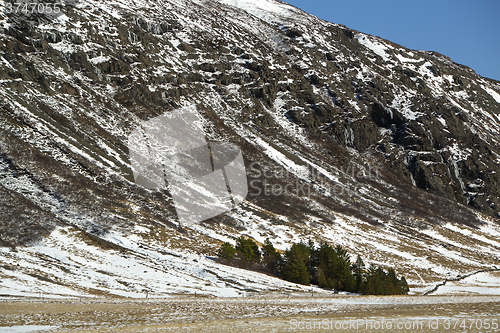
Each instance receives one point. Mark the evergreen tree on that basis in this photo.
(295, 264)
(374, 281)
(359, 271)
(248, 250)
(227, 251)
(271, 258)
(392, 283)
(378, 282)
(312, 265)
(323, 282)
(345, 278)
(326, 261)
(403, 286)
(342, 253)
(334, 264)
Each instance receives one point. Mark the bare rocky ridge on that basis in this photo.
(397, 140)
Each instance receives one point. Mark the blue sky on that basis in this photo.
(466, 31)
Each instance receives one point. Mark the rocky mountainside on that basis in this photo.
(346, 137)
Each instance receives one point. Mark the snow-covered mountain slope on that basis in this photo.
(69, 265)
(347, 138)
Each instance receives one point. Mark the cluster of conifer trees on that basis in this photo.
(326, 266)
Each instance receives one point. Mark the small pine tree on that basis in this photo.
(335, 265)
(270, 257)
(227, 251)
(323, 282)
(326, 260)
(378, 282)
(342, 253)
(248, 250)
(295, 264)
(403, 286)
(392, 283)
(346, 280)
(359, 271)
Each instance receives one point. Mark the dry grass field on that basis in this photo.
(269, 313)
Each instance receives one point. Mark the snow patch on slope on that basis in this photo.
(492, 93)
(266, 10)
(481, 283)
(65, 264)
(377, 47)
(298, 170)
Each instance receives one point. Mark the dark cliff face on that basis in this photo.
(329, 99)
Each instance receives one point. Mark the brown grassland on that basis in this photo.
(258, 313)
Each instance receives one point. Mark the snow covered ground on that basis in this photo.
(64, 265)
(486, 283)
